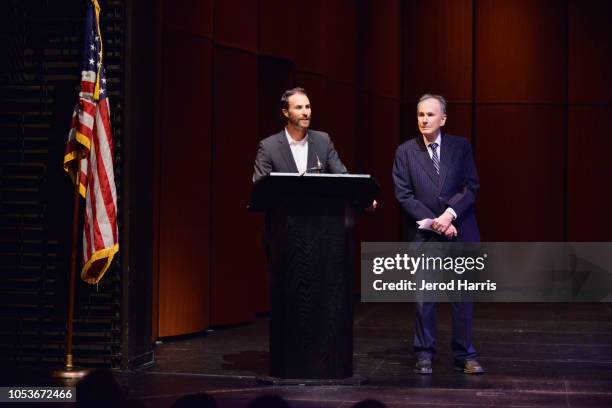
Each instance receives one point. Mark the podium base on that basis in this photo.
(354, 380)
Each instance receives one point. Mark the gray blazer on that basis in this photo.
(274, 155)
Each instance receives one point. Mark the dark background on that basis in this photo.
(528, 81)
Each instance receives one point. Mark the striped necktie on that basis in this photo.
(434, 156)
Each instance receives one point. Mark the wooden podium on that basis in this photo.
(309, 220)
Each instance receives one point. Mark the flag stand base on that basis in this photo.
(69, 371)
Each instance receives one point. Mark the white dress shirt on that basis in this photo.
(438, 141)
(299, 150)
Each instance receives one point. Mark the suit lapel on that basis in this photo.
(312, 154)
(285, 151)
(447, 153)
(425, 161)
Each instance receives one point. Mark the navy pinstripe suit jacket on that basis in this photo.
(422, 193)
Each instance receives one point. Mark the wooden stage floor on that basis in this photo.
(536, 355)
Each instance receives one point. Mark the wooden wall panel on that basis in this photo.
(520, 50)
(590, 51)
(340, 19)
(520, 124)
(589, 174)
(278, 36)
(237, 259)
(438, 49)
(458, 122)
(184, 194)
(378, 122)
(188, 16)
(342, 113)
(589, 136)
(236, 24)
(521, 170)
(309, 37)
(379, 136)
(380, 49)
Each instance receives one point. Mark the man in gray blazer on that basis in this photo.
(296, 148)
(435, 179)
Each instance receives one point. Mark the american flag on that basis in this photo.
(89, 156)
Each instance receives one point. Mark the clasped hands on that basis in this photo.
(443, 225)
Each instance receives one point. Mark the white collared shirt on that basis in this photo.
(299, 150)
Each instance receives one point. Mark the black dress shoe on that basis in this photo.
(469, 367)
(423, 366)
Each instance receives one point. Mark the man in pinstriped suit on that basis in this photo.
(435, 178)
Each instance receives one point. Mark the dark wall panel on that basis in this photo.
(438, 49)
(520, 50)
(590, 138)
(590, 51)
(340, 20)
(520, 115)
(184, 197)
(237, 257)
(278, 36)
(140, 179)
(236, 24)
(521, 172)
(378, 119)
(379, 136)
(379, 57)
(342, 113)
(458, 122)
(309, 36)
(188, 16)
(589, 174)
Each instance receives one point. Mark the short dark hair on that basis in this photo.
(289, 92)
(439, 98)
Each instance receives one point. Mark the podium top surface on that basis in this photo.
(321, 175)
(359, 189)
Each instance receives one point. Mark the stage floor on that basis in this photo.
(535, 355)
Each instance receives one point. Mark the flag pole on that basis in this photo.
(70, 371)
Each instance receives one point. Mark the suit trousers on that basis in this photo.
(425, 331)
